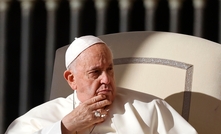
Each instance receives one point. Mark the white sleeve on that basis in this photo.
(53, 129)
(27, 129)
(43, 119)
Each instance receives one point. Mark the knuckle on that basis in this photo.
(99, 103)
(94, 100)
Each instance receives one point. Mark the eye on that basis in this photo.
(110, 70)
(94, 74)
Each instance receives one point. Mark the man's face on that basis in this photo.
(94, 74)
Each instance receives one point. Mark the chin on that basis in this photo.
(111, 98)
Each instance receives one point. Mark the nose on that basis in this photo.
(105, 78)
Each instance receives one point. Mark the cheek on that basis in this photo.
(95, 85)
(113, 80)
(89, 86)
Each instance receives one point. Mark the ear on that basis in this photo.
(69, 77)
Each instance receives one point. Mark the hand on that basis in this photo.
(83, 116)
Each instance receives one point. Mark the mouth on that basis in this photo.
(103, 92)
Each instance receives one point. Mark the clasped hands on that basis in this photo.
(88, 113)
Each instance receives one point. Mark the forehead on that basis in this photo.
(96, 53)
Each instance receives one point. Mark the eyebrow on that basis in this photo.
(111, 65)
(92, 69)
(98, 67)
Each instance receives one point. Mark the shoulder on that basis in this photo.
(58, 103)
(140, 101)
(43, 115)
(129, 95)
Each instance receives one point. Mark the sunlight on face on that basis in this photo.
(94, 74)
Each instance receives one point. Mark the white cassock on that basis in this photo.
(131, 113)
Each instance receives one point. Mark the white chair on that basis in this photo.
(184, 70)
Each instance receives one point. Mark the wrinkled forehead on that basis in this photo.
(97, 51)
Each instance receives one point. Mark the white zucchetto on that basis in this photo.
(78, 46)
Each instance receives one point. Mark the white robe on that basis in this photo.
(131, 113)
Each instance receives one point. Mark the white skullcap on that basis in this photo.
(78, 46)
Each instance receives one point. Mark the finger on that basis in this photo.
(100, 104)
(102, 113)
(95, 99)
(99, 115)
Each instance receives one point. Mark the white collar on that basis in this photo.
(76, 100)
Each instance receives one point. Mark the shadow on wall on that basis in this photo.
(205, 111)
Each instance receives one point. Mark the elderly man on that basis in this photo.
(97, 106)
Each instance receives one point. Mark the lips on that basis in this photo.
(106, 91)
